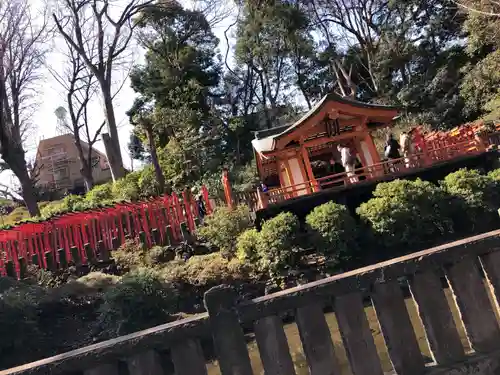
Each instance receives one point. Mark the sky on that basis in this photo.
(52, 96)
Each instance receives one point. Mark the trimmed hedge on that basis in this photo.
(246, 246)
(278, 244)
(141, 300)
(408, 214)
(478, 194)
(333, 231)
(223, 227)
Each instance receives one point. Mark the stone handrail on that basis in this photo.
(462, 262)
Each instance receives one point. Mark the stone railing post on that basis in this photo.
(227, 334)
(397, 329)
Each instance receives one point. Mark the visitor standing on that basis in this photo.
(348, 162)
(391, 151)
(202, 211)
(406, 147)
(263, 187)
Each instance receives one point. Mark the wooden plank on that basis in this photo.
(316, 340)
(397, 330)
(356, 335)
(188, 358)
(491, 266)
(273, 346)
(437, 318)
(147, 363)
(106, 369)
(229, 341)
(474, 305)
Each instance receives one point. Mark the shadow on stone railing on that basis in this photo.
(463, 263)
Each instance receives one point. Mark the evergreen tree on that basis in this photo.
(180, 79)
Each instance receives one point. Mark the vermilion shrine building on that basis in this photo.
(302, 158)
(294, 156)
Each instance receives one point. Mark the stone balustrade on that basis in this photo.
(470, 266)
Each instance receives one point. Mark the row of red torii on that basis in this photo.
(79, 237)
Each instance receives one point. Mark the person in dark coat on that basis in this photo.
(202, 211)
(391, 152)
(392, 148)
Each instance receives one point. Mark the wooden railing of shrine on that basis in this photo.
(378, 171)
(89, 236)
(436, 148)
(469, 268)
(247, 198)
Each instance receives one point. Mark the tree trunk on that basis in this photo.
(29, 196)
(85, 165)
(154, 160)
(21, 171)
(115, 162)
(88, 179)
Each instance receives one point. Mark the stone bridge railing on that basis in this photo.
(470, 267)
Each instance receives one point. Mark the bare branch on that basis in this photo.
(486, 8)
(101, 32)
(22, 52)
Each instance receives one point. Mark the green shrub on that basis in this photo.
(479, 193)
(407, 214)
(223, 227)
(334, 230)
(278, 244)
(70, 203)
(45, 278)
(158, 255)
(141, 300)
(53, 208)
(246, 246)
(127, 188)
(130, 255)
(7, 283)
(148, 183)
(100, 194)
(20, 331)
(75, 202)
(18, 214)
(495, 174)
(98, 280)
(206, 270)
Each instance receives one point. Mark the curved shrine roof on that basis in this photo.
(265, 140)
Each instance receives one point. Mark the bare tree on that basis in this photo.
(215, 11)
(80, 87)
(14, 191)
(111, 26)
(489, 8)
(22, 52)
(348, 21)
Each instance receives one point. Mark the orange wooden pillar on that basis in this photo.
(228, 193)
(366, 139)
(309, 171)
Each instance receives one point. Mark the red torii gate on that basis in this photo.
(70, 237)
